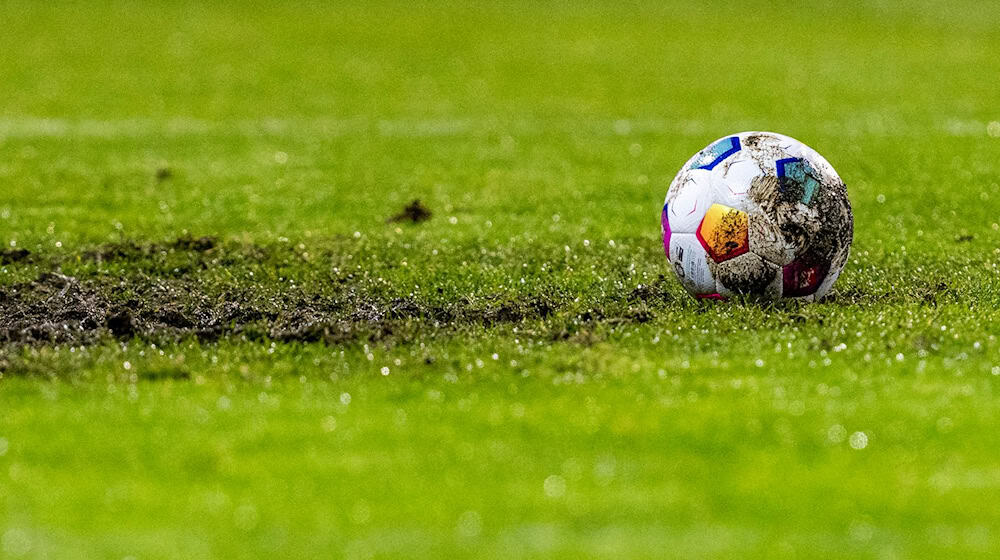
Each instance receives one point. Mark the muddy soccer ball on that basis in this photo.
(757, 214)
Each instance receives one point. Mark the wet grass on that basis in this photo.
(228, 328)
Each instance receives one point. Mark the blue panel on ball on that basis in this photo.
(795, 171)
(716, 153)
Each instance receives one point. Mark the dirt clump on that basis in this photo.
(414, 212)
(54, 308)
(8, 256)
(121, 324)
(189, 243)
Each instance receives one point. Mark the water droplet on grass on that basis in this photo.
(945, 424)
(836, 433)
(861, 531)
(16, 542)
(622, 127)
(246, 517)
(361, 514)
(604, 470)
(329, 424)
(555, 486)
(469, 525)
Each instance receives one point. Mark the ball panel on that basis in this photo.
(767, 241)
(818, 163)
(803, 278)
(665, 229)
(750, 275)
(766, 148)
(716, 153)
(691, 264)
(836, 267)
(688, 200)
(724, 232)
(731, 182)
(827, 284)
(797, 177)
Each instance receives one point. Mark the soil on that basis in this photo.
(164, 302)
(414, 212)
(13, 255)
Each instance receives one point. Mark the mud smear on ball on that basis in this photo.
(784, 211)
(749, 275)
(824, 228)
(765, 149)
(768, 242)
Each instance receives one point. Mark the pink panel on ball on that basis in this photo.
(719, 297)
(666, 231)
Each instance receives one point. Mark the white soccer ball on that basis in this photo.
(757, 214)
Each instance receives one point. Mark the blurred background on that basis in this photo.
(232, 118)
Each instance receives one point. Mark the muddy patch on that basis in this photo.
(57, 309)
(9, 256)
(171, 291)
(414, 213)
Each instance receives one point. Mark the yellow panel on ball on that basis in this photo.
(724, 232)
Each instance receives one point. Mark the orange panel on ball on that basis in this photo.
(724, 232)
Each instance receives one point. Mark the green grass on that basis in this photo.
(542, 136)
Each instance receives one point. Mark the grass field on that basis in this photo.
(215, 345)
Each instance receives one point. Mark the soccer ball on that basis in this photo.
(757, 214)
